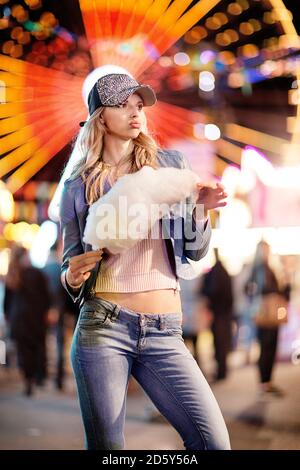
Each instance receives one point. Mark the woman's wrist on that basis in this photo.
(74, 287)
(203, 215)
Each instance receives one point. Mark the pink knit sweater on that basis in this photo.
(142, 268)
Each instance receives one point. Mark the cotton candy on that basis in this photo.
(149, 188)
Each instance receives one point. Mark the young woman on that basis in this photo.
(262, 283)
(130, 317)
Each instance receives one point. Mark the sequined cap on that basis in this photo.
(115, 88)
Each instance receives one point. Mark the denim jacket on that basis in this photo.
(74, 211)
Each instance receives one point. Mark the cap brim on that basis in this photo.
(146, 93)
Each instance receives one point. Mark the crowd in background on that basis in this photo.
(35, 307)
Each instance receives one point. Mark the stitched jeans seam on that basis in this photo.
(82, 380)
(177, 401)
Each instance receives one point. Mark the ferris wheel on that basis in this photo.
(201, 50)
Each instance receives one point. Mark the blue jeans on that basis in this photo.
(111, 343)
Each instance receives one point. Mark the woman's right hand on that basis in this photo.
(80, 267)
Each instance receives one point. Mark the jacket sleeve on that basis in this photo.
(70, 233)
(196, 247)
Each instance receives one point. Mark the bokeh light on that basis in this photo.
(212, 132)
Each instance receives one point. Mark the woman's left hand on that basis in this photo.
(211, 197)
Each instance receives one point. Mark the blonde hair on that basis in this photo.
(93, 170)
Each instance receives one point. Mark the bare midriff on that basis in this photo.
(155, 301)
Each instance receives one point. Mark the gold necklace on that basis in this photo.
(108, 165)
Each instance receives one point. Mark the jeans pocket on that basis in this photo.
(90, 318)
(175, 330)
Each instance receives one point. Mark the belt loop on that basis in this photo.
(115, 313)
(107, 318)
(162, 322)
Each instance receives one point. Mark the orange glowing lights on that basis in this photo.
(7, 47)
(16, 51)
(195, 35)
(39, 103)
(33, 4)
(47, 20)
(43, 106)
(139, 32)
(16, 32)
(234, 9)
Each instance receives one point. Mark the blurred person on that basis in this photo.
(263, 282)
(26, 304)
(196, 318)
(217, 289)
(246, 331)
(287, 276)
(60, 308)
(130, 316)
(4, 331)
